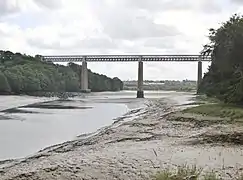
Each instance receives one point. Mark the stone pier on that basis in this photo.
(84, 77)
(199, 73)
(140, 93)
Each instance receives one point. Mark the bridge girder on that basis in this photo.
(125, 58)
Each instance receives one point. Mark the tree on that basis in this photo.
(4, 86)
(224, 79)
(26, 74)
(15, 81)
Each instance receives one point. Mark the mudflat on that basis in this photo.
(137, 145)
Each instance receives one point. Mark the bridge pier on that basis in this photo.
(84, 77)
(199, 73)
(140, 93)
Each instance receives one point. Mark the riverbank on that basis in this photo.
(136, 146)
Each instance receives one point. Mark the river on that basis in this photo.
(30, 129)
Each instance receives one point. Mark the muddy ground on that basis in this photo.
(158, 137)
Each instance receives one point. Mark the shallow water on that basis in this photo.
(27, 133)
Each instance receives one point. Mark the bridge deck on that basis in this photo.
(114, 58)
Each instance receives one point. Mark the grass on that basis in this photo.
(187, 173)
(184, 172)
(204, 98)
(216, 113)
(218, 110)
(234, 138)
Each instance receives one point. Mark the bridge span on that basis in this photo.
(126, 58)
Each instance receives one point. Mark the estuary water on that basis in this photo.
(26, 129)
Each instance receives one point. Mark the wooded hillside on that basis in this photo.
(26, 74)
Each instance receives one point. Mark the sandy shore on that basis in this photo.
(132, 149)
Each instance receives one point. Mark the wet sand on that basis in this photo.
(135, 147)
(11, 101)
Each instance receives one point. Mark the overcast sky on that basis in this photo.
(55, 27)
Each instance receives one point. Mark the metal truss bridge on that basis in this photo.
(126, 58)
(114, 58)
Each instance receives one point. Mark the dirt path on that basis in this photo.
(131, 150)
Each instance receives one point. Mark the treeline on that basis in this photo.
(22, 74)
(224, 79)
(165, 85)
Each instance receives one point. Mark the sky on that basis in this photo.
(65, 27)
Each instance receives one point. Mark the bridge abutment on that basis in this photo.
(84, 77)
(199, 74)
(140, 92)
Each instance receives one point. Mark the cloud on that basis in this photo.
(52, 27)
(50, 4)
(70, 44)
(15, 7)
(161, 43)
(237, 1)
(121, 22)
(170, 5)
(139, 27)
(9, 7)
(98, 43)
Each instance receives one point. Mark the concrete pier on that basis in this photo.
(199, 73)
(140, 93)
(84, 77)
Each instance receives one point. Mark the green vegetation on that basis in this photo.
(202, 98)
(233, 112)
(220, 114)
(25, 74)
(4, 83)
(224, 80)
(166, 85)
(186, 172)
